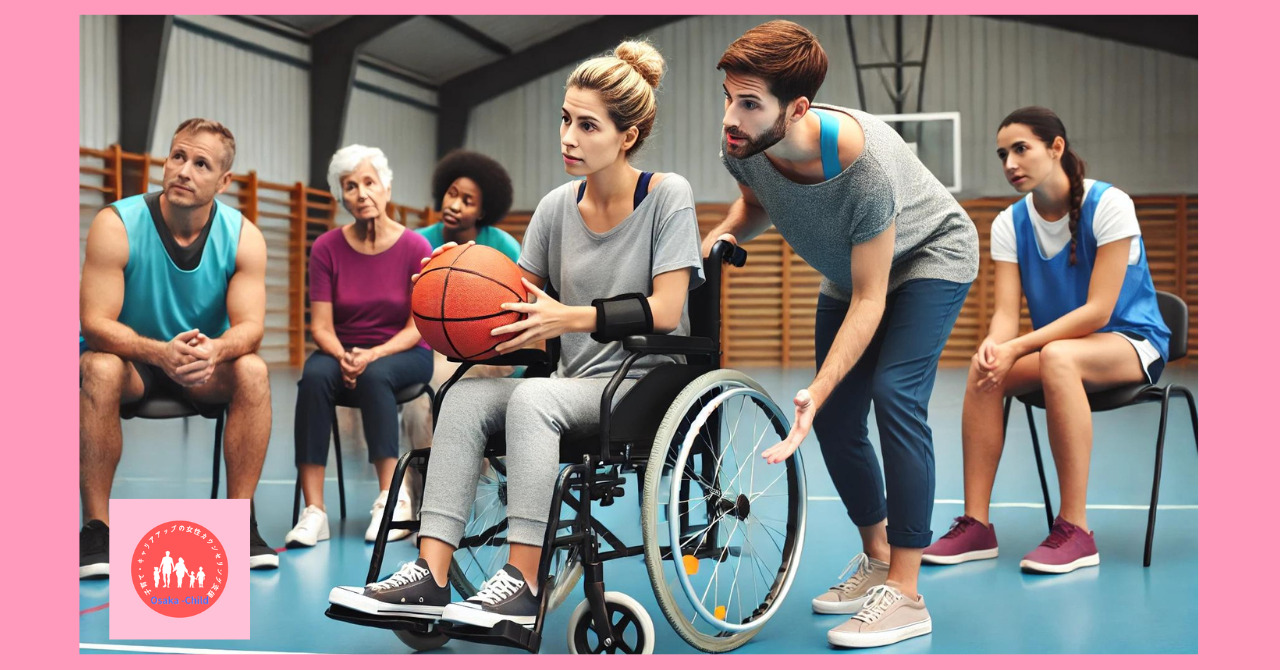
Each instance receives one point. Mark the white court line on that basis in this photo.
(173, 650)
(1035, 505)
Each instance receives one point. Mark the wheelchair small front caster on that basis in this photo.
(429, 641)
(632, 627)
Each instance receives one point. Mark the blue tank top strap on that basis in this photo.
(829, 143)
(642, 189)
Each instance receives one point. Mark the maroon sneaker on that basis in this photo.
(968, 540)
(1068, 547)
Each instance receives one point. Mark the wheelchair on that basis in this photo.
(722, 531)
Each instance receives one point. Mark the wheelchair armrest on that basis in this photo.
(517, 357)
(669, 344)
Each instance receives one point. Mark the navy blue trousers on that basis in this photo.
(374, 394)
(896, 372)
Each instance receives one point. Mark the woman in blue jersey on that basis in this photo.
(1072, 246)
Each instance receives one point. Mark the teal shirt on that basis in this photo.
(488, 236)
(161, 299)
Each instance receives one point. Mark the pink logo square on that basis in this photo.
(179, 570)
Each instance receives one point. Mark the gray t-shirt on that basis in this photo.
(934, 238)
(583, 265)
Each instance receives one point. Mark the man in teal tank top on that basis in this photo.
(172, 304)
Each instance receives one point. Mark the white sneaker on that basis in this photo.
(403, 512)
(313, 526)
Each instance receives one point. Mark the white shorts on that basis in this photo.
(1148, 356)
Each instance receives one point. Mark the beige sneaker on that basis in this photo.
(847, 596)
(886, 618)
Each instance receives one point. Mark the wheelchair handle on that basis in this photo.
(728, 252)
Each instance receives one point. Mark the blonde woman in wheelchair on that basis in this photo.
(622, 248)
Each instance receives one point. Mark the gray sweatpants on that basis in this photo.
(534, 413)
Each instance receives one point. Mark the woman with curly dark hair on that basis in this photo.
(472, 192)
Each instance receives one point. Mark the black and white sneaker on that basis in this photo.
(261, 555)
(411, 591)
(94, 553)
(505, 597)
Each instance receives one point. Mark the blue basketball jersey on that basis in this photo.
(1054, 287)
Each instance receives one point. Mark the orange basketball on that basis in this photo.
(458, 299)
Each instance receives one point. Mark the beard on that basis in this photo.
(755, 145)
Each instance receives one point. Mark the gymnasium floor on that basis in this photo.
(982, 607)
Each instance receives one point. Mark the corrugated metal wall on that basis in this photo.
(99, 81)
(262, 100)
(1130, 112)
(406, 133)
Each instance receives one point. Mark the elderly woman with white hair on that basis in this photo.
(368, 347)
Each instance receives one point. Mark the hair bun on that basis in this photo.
(643, 58)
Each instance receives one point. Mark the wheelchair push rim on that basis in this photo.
(748, 547)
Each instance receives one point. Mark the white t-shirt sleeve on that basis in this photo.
(1004, 244)
(1115, 219)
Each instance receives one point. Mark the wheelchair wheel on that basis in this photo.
(483, 549)
(429, 641)
(736, 523)
(632, 627)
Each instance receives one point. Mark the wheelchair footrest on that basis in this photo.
(504, 633)
(415, 624)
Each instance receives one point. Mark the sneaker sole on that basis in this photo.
(264, 562)
(472, 616)
(843, 607)
(94, 570)
(879, 638)
(979, 555)
(354, 598)
(1048, 568)
(393, 535)
(296, 542)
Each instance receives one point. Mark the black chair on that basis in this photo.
(166, 407)
(347, 399)
(1174, 311)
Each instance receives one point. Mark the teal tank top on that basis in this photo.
(160, 298)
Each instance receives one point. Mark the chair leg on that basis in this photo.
(217, 453)
(297, 496)
(1044, 483)
(1191, 406)
(337, 454)
(1155, 480)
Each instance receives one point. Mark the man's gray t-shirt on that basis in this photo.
(583, 265)
(934, 238)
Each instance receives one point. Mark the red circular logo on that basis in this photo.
(179, 569)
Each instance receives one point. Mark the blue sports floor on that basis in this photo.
(980, 607)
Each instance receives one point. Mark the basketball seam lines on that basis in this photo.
(464, 318)
(473, 272)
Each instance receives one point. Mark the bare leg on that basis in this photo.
(1069, 368)
(386, 468)
(312, 477)
(244, 382)
(438, 556)
(904, 570)
(981, 432)
(875, 540)
(525, 558)
(106, 381)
